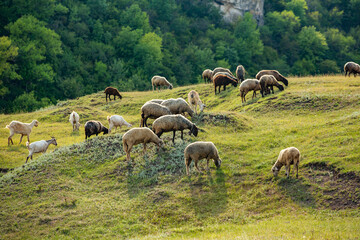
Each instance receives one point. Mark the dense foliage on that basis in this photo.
(59, 49)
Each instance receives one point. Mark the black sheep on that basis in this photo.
(94, 127)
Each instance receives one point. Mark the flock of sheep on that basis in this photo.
(169, 116)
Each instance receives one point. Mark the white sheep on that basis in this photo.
(74, 119)
(249, 85)
(136, 136)
(194, 101)
(20, 128)
(117, 121)
(152, 110)
(288, 156)
(173, 123)
(200, 150)
(158, 81)
(178, 106)
(158, 101)
(39, 146)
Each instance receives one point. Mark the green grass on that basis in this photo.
(86, 189)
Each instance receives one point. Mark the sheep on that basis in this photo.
(117, 121)
(223, 79)
(200, 150)
(351, 67)
(39, 146)
(249, 85)
(112, 91)
(21, 128)
(173, 123)
(194, 101)
(178, 106)
(275, 73)
(158, 81)
(240, 73)
(136, 136)
(269, 81)
(222, 70)
(74, 119)
(94, 127)
(159, 101)
(206, 75)
(152, 110)
(288, 156)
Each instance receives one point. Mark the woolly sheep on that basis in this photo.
(136, 136)
(20, 128)
(117, 121)
(200, 150)
(249, 85)
(152, 110)
(39, 146)
(206, 75)
(194, 101)
(275, 73)
(220, 70)
(267, 81)
(74, 119)
(159, 101)
(223, 79)
(173, 123)
(94, 127)
(351, 67)
(288, 156)
(158, 81)
(178, 106)
(111, 91)
(240, 73)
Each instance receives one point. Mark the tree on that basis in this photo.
(298, 7)
(312, 44)
(135, 18)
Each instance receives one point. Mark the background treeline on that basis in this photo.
(58, 49)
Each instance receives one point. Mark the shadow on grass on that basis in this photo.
(298, 191)
(208, 195)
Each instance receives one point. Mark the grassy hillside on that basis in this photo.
(86, 189)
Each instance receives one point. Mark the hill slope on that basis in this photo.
(88, 190)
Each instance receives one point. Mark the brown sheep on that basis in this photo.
(249, 85)
(206, 75)
(152, 110)
(240, 73)
(223, 79)
(221, 70)
(112, 91)
(275, 73)
(288, 156)
(194, 101)
(158, 81)
(351, 67)
(178, 106)
(267, 81)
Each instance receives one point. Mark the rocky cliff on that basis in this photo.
(232, 9)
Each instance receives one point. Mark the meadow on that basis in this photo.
(86, 190)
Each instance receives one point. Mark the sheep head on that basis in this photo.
(202, 106)
(170, 86)
(194, 130)
(105, 130)
(218, 163)
(275, 170)
(36, 123)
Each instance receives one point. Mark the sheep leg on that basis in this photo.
(114, 97)
(196, 165)
(297, 170)
(28, 138)
(144, 150)
(287, 171)
(224, 87)
(145, 122)
(207, 164)
(106, 97)
(128, 158)
(21, 138)
(10, 139)
(182, 134)
(272, 89)
(187, 164)
(173, 137)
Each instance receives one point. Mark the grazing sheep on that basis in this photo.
(194, 101)
(94, 127)
(223, 79)
(136, 136)
(351, 67)
(249, 85)
(39, 146)
(152, 110)
(159, 101)
(74, 119)
(220, 70)
(173, 123)
(267, 81)
(275, 73)
(178, 106)
(112, 91)
(20, 128)
(288, 156)
(117, 121)
(240, 73)
(158, 81)
(200, 150)
(206, 75)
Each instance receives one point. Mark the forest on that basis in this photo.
(52, 50)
